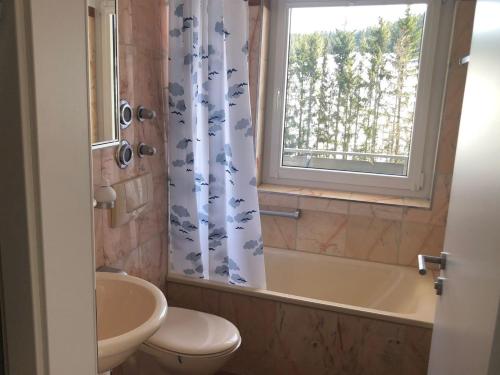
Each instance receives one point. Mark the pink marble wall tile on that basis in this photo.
(140, 246)
(279, 231)
(462, 35)
(321, 232)
(125, 35)
(376, 210)
(254, 29)
(324, 205)
(278, 200)
(146, 25)
(151, 260)
(374, 239)
(439, 209)
(420, 238)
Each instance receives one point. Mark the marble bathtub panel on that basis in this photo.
(324, 205)
(416, 351)
(321, 232)
(420, 238)
(373, 239)
(279, 231)
(281, 338)
(305, 336)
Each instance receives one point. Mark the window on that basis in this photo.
(356, 92)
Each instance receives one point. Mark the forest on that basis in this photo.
(353, 93)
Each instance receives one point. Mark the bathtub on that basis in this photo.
(373, 290)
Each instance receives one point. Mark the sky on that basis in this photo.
(309, 20)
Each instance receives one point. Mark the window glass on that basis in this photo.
(351, 89)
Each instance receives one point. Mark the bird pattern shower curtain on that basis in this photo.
(215, 230)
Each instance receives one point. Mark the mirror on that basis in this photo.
(102, 52)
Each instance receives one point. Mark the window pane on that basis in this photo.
(351, 87)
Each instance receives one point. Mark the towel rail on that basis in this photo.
(291, 215)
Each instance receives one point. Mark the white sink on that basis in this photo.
(129, 311)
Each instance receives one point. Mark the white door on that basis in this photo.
(466, 314)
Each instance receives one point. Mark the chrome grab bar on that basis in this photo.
(422, 259)
(291, 215)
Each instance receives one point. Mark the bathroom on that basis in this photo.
(324, 251)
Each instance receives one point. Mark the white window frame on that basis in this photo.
(430, 92)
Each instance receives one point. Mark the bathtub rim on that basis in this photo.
(406, 319)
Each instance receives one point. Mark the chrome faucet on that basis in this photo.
(422, 259)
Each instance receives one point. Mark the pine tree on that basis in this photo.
(377, 47)
(406, 49)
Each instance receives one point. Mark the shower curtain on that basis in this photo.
(215, 228)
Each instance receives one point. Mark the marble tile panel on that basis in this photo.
(278, 200)
(284, 338)
(374, 239)
(438, 212)
(98, 238)
(279, 231)
(420, 238)
(151, 253)
(118, 242)
(127, 73)
(96, 167)
(321, 232)
(416, 351)
(146, 26)
(125, 34)
(324, 205)
(376, 210)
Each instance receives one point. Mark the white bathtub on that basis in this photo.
(376, 290)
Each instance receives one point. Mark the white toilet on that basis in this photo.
(192, 342)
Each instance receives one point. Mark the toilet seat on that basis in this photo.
(193, 333)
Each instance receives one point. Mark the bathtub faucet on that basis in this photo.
(422, 259)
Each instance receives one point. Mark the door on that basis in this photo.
(466, 314)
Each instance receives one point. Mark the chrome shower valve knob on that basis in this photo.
(145, 150)
(145, 114)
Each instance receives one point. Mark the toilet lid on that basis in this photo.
(194, 333)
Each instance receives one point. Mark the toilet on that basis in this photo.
(192, 342)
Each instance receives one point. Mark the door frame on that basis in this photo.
(46, 228)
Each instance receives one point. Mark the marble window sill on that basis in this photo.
(345, 196)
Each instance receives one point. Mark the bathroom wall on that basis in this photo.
(371, 231)
(139, 247)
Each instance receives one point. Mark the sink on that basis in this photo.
(129, 311)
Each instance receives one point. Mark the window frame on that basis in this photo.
(430, 93)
